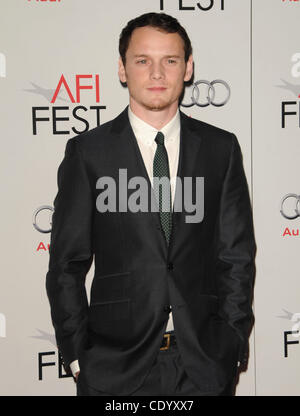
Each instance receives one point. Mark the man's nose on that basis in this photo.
(157, 71)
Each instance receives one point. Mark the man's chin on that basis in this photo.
(157, 106)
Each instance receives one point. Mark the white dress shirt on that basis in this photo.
(145, 135)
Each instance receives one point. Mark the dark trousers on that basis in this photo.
(167, 377)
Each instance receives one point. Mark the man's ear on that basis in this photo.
(189, 69)
(121, 71)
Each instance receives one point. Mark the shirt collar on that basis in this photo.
(147, 133)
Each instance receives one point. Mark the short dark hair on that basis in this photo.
(160, 21)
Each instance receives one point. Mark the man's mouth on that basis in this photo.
(157, 89)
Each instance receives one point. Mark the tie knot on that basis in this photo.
(160, 138)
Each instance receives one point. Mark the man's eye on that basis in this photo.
(142, 61)
(171, 61)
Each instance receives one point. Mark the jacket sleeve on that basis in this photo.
(236, 251)
(71, 253)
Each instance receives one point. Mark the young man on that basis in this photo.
(170, 308)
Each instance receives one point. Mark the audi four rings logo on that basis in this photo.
(35, 218)
(296, 207)
(210, 94)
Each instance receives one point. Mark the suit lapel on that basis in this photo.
(190, 143)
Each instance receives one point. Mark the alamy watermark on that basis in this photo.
(189, 195)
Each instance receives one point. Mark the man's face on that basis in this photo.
(155, 69)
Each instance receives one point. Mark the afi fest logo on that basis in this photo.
(60, 116)
(2, 326)
(294, 318)
(2, 65)
(290, 1)
(200, 5)
(43, 357)
(291, 108)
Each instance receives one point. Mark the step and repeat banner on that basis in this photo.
(58, 78)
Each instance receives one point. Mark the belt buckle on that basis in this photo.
(168, 336)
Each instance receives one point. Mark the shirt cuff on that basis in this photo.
(74, 367)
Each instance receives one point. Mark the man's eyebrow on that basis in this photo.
(147, 56)
(173, 56)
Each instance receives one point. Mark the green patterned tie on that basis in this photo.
(162, 192)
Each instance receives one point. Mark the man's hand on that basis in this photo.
(76, 375)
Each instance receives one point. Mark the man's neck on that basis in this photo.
(157, 119)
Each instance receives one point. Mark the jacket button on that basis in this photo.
(167, 308)
(170, 266)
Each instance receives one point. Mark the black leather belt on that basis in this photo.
(169, 339)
